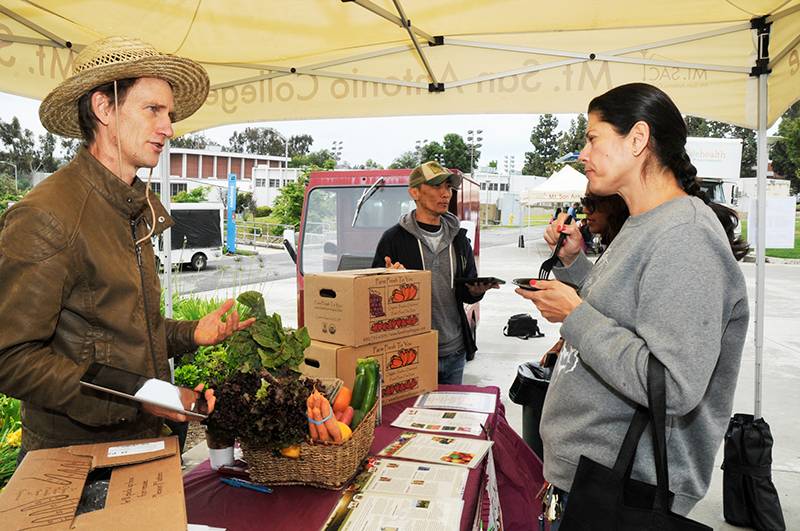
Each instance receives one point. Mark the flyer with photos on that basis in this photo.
(390, 476)
(371, 511)
(437, 420)
(442, 449)
(480, 402)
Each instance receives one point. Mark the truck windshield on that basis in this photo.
(329, 241)
(713, 190)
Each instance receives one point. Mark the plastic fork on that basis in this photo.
(547, 265)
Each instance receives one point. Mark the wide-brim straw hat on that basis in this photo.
(115, 58)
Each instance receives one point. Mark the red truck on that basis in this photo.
(345, 212)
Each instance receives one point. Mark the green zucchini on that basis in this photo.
(359, 387)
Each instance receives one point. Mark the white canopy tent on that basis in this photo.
(736, 61)
(565, 185)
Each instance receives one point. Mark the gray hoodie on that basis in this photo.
(445, 317)
(668, 284)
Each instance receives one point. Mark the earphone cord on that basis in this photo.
(149, 175)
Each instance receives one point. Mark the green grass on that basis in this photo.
(781, 253)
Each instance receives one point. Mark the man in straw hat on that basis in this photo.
(77, 269)
(430, 238)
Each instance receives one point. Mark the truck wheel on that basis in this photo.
(199, 261)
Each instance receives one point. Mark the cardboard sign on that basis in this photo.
(145, 491)
(367, 306)
(409, 365)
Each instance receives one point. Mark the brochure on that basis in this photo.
(438, 449)
(370, 512)
(480, 402)
(401, 495)
(462, 423)
(390, 476)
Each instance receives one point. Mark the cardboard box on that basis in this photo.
(410, 365)
(145, 492)
(367, 306)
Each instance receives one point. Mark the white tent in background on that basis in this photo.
(565, 185)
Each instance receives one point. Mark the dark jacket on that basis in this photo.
(402, 246)
(76, 290)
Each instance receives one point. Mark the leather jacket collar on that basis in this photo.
(129, 201)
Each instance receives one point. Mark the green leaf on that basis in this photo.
(255, 301)
(263, 391)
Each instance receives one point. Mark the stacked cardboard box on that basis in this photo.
(381, 313)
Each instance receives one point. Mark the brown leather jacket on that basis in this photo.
(75, 289)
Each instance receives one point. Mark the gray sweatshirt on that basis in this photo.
(668, 284)
(445, 317)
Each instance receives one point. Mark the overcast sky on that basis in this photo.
(381, 139)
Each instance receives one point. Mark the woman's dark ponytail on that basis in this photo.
(686, 174)
(626, 105)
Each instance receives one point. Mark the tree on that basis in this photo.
(300, 145)
(431, 151)
(407, 159)
(493, 164)
(370, 164)
(69, 147)
(573, 139)
(245, 202)
(192, 141)
(288, 204)
(457, 153)
(322, 159)
(195, 195)
(256, 140)
(785, 153)
(545, 144)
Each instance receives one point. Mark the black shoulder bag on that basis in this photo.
(608, 499)
(523, 326)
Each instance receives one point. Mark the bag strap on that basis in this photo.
(627, 453)
(657, 402)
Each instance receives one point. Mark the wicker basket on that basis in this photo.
(325, 465)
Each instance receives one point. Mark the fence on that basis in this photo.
(260, 234)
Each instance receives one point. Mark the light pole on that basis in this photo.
(336, 150)
(418, 149)
(473, 138)
(285, 156)
(16, 181)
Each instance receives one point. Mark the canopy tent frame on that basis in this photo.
(419, 38)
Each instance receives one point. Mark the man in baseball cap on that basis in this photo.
(434, 174)
(430, 238)
(77, 268)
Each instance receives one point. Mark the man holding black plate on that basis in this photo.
(430, 238)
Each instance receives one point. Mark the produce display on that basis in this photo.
(261, 398)
(335, 423)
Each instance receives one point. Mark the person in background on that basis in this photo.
(668, 285)
(430, 238)
(605, 216)
(77, 269)
(555, 214)
(572, 211)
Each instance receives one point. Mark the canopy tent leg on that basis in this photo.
(761, 217)
(166, 236)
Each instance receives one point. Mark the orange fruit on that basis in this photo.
(342, 399)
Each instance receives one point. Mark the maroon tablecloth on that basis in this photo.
(519, 477)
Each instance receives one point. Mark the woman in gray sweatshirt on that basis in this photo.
(668, 285)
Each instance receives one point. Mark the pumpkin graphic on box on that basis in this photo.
(404, 293)
(403, 358)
